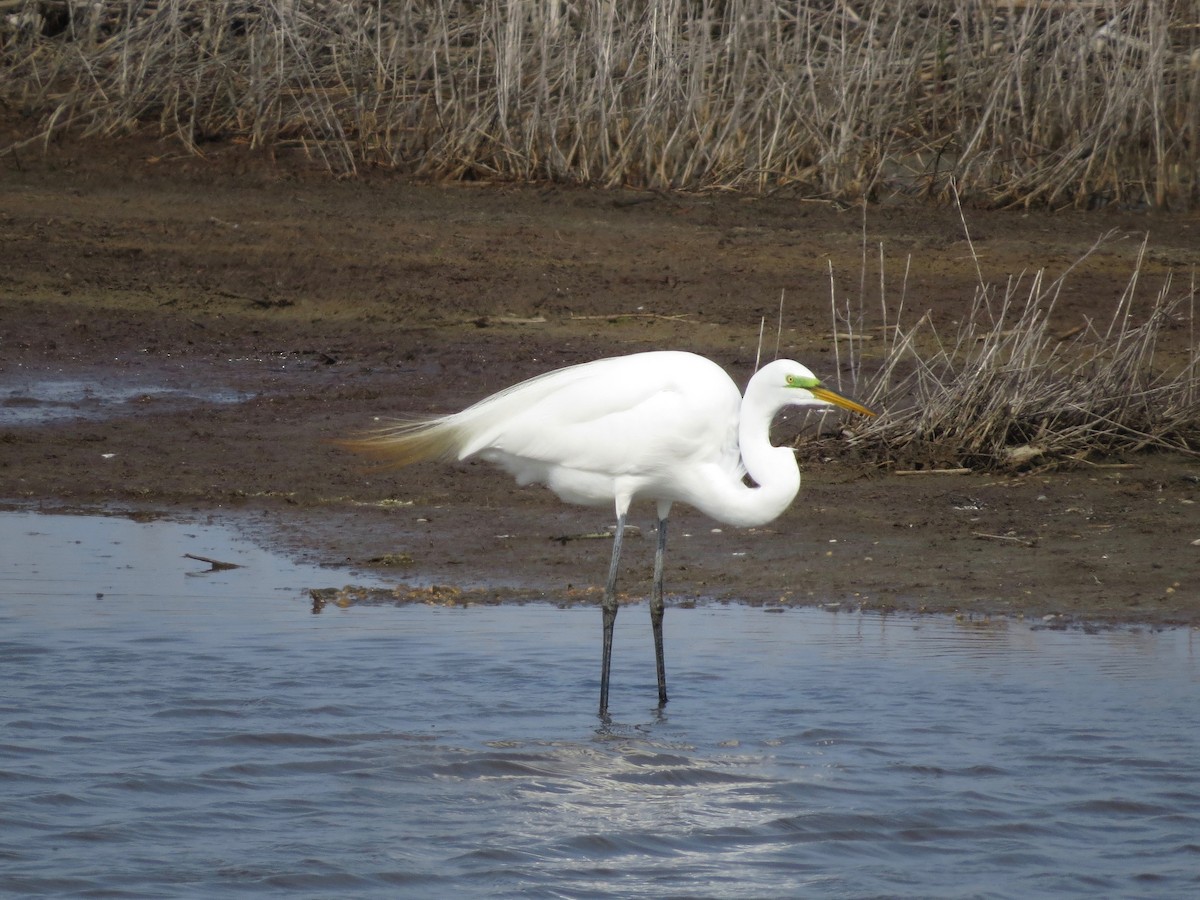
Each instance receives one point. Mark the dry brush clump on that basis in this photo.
(1008, 391)
(1017, 101)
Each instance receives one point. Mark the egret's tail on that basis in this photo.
(484, 425)
(407, 442)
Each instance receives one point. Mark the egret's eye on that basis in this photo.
(801, 381)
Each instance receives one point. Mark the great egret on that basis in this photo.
(664, 426)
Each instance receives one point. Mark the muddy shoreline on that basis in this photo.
(186, 337)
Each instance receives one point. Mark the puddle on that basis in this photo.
(46, 401)
(166, 730)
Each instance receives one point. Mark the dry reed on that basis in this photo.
(1076, 102)
(1006, 391)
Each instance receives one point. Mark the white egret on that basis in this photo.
(663, 426)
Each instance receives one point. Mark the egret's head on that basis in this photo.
(800, 387)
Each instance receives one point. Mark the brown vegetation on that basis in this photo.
(1079, 102)
(1006, 391)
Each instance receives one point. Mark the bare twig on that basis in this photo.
(217, 565)
(1004, 537)
(633, 315)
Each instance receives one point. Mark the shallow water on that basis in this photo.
(38, 401)
(169, 732)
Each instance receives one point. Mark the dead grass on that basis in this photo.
(1007, 391)
(1080, 102)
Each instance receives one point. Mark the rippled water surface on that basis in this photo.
(166, 732)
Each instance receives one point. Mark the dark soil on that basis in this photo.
(286, 310)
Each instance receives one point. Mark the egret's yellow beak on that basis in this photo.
(824, 393)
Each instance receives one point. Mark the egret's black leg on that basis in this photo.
(609, 610)
(656, 611)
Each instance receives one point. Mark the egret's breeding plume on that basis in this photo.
(663, 426)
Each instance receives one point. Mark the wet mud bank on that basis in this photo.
(188, 338)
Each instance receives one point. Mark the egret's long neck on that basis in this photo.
(773, 469)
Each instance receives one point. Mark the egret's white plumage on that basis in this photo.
(664, 426)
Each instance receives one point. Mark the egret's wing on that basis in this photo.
(616, 416)
(466, 433)
(619, 417)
